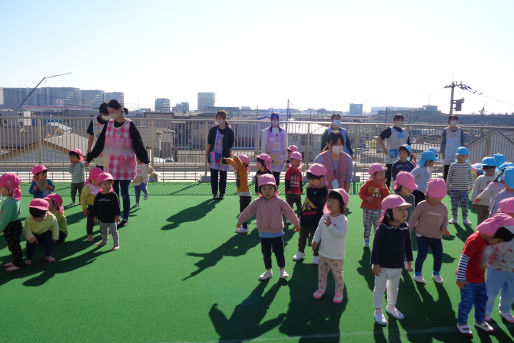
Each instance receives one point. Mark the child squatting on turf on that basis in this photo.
(40, 186)
(107, 210)
(41, 228)
(269, 209)
(10, 223)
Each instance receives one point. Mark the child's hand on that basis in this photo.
(34, 188)
(296, 228)
(315, 245)
(328, 221)
(446, 233)
(475, 207)
(386, 151)
(95, 219)
(376, 269)
(408, 266)
(116, 219)
(461, 284)
(85, 211)
(477, 200)
(33, 240)
(51, 187)
(369, 199)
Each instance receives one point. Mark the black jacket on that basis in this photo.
(228, 140)
(391, 246)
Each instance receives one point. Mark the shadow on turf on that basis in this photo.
(463, 232)
(189, 214)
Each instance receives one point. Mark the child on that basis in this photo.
(10, 223)
(459, 183)
(269, 208)
(331, 231)
(107, 210)
(404, 163)
(470, 272)
(422, 174)
(55, 207)
(293, 181)
(87, 200)
(392, 250)
(77, 173)
(508, 192)
(290, 149)
(482, 205)
(241, 167)
(263, 167)
(404, 185)
(372, 193)
(141, 179)
(430, 221)
(495, 187)
(41, 228)
(40, 186)
(312, 209)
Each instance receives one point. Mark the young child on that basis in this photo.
(392, 251)
(55, 207)
(141, 180)
(77, 173)
(404, 163)
(290, 149)
(293, 181)
(493, 188)
(430, 222)
(40, 186)
(107, 211)
(471, 270)
(422, 173)
(404, 185)
(10, 223)
(508, 192)
(372, 193)
(500, 272)
(269, 209)
(87, 200)
(263, 167)
(41, 228)
(459, 183)
(241, 167)
(331, 231)
(312, 209)
(482, 205)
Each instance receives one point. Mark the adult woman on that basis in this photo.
(219, 146)
(120, 143)
(336, 125)
(274, 142)
(451, 139)
(95, 128)
(338, 163)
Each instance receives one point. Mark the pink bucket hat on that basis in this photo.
(343, 194)
(317, 169)
(40, 204)
(93, 175)
(296, 155)
(104, 177)
(57, 199)
(78, 152)
(489, 226)
(507, 206)
(267, 179)
(267, 160)
(436, 188)
(245, 160)
(406, 180)
(375, 168)
(38, 168)
(392, 201)
(292, 148)
(12, 182)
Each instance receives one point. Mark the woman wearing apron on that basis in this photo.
(274, 142)
(94, 129)
(451, 139)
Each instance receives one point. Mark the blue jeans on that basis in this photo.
(138, 189)
(124, 194)
(437, 250)
(472, 294)
(496, 281)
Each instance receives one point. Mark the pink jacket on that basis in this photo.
(269, 214)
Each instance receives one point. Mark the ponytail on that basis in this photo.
(125, 110)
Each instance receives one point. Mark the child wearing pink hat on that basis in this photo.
(241, 167)
(41, 228)
(372, 192)
(41, 186)
(430, 222)
(471, 271)
(107, 211)
(392, 251)
(293, 181)
(290, 149)
(404, 185)
(55, 207)
(330, 238)
(76, 170)
(312, 209)
(87, 200)
(269, 209)
(10, 223)
(263, 167)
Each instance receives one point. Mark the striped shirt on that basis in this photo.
(77, 172)
(460, 177)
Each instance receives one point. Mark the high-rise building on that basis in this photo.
(91, 98)
(182, 107)
(115, 96)
(206, 101)
(162, 105)
(355, 109)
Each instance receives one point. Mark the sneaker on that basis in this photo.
(72, 203)
(318, 294)
(123, 223)
(266, 275)
(452, 221)
(380, 319)
(507, 317)
(465, 330)
(136, 204)
(215, 197)
(484, 326)
(420, 279)
(244, 230)
(145, 197)
(315, 260)
(467, 222)
(487, 317)
(366, 243)
(338, 298)
(288, 221)
(437, 278)
(298, 256)
(393, 311)
(238, 230)
(284, 274)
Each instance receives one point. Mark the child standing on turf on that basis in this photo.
(508, 192)
(372, 193)
(422, 173)
(404, 185)
(9, 218)
(331, 231)
(241, 167)
(392, 251)
(482, 205)
(141, 180)
(40, 186)
(404, 163)
(263, 167)
(107, 210)
(87, 200)
(312, 209)
(77, 173)
(269, 209)
(430, 222)
(293, 181)
(471, 270)
(493, 188)
(459, 182)
(55, 207)
(41, 228)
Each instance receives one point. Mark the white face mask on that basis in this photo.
(220, 122)
(105, 117)
(115, 115)
(337, 149)
(274, 122)
(398, 123)
(337, 122)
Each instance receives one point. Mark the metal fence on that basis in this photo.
(177, 146)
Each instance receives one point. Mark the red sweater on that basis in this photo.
(374, 190)
(293, 180)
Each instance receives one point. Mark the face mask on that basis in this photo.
(336, 122)
(453, 123)
(220, 121)
(115, 115)
(104, 117)
(274, 122)
(337, 149)
(398, 123)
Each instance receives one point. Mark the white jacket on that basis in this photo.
(333, 238)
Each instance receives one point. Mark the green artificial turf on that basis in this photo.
(183, 275)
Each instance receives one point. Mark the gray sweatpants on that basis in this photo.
(113, 228)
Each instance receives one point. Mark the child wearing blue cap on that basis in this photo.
(508, 192)
(404, 163)
(495, 187)
(422, 173)
(459, 183)
(482, 205)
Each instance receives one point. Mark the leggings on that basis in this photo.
(277, 246)
(12, 234)
(437, 250)
(336, 267)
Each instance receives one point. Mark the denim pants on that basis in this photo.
(437, 251)
(472, 294)
(124, 194)
(138, 189)
(277, 246)
(496, 281)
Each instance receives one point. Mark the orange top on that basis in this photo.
(374, 190)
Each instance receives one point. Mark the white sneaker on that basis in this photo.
(136, 204)
(238, 230)
(452, 221)
(145, 197)
(366, 243)
(393, 311)
(507, 316)
(419, 278)
(466, 222)
(266, 275)
(380, 318)
(437, 278)
(315, 260)
(244, 230)
(298, 256)
(284, 274)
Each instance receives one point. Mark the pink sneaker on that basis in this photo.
(318, 294)
(507, 317)
(338, 298)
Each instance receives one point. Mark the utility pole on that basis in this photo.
(33, 89)
(458, 103)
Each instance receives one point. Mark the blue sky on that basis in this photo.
(261, 53)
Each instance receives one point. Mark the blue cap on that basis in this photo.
(508, 176)
(499, 158)
(488, 162)
(407, 147)
(505, 165)
(462, 151)
(435, 151)
(427, 156)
